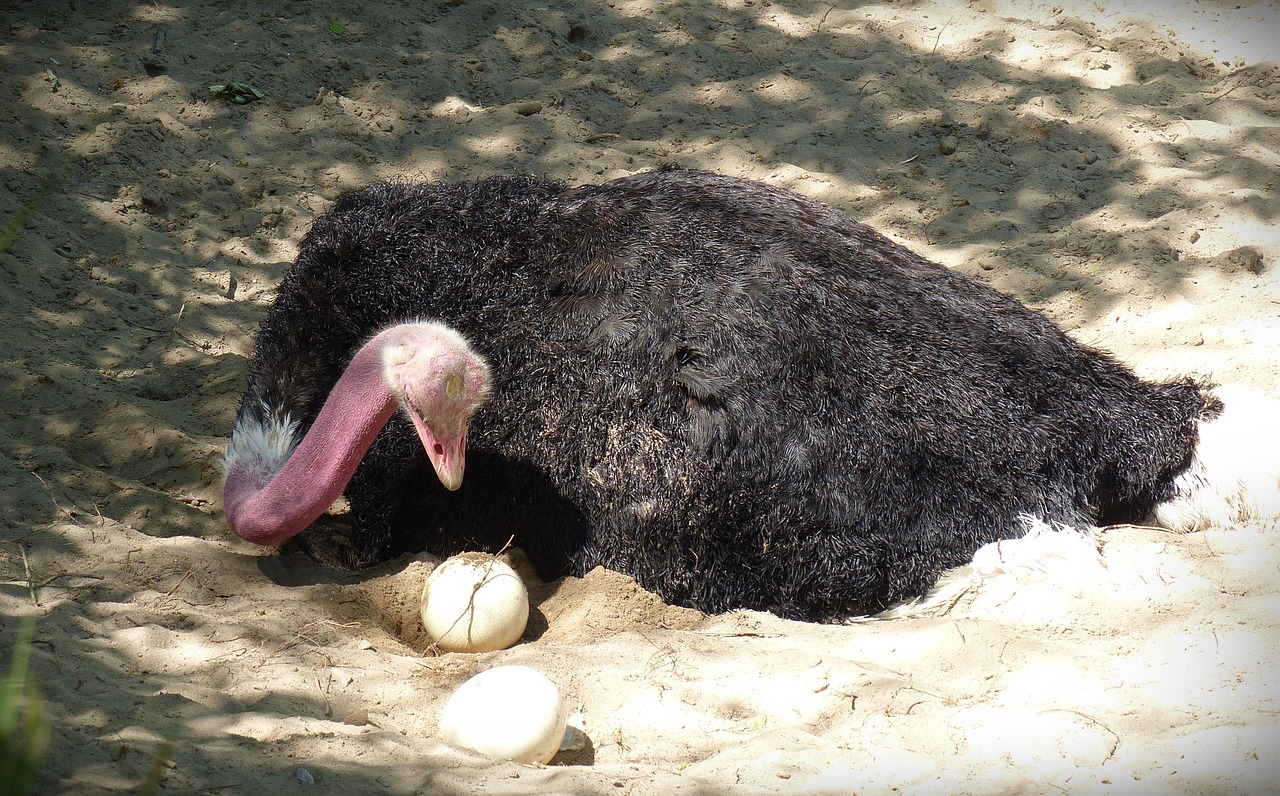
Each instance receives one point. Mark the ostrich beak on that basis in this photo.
(448, 454)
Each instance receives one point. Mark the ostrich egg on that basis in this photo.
(510, 712)
(474, 603)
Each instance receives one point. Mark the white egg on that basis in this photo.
(510, 712)
(474, 603)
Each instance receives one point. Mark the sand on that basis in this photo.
(1116, 168)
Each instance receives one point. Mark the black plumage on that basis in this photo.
(739, 396)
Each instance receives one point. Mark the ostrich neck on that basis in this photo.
(319, 469)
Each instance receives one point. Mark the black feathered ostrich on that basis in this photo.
(736, 395)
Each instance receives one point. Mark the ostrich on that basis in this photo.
(738, 396)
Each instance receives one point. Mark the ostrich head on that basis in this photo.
(276, 485)
(439, 382)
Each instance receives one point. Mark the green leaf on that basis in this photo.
(24, 726)
(336, 27)
(239, 93)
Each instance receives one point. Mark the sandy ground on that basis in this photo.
(1115, 167)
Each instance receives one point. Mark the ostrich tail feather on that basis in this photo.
(1234, 479)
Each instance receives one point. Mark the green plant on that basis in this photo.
(24, 727)
(239, 93)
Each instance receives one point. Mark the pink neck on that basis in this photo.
(319, 469)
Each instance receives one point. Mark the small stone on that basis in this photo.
(575, 740)
(357, 718)
(153, 201)
(1248, 258)
(1053, 211)
(948, 144)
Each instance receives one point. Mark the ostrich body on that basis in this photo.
(736, 395)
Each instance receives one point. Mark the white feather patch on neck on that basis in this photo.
(260, 448)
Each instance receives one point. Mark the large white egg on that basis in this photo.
(510, 712)
(474, 603)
